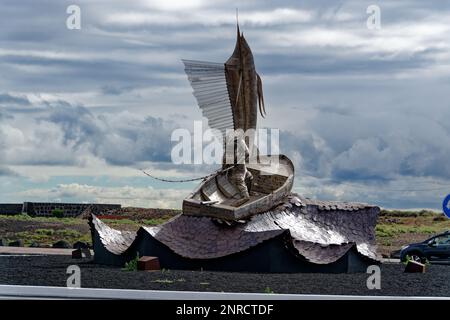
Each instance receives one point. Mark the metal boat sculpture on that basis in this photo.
(290, 233)
(217, 197)
(228, 95)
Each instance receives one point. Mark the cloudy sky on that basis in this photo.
(363, 113)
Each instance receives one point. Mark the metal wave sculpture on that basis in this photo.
(275, 231)
(299, 235)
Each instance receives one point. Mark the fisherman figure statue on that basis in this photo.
(236, 155)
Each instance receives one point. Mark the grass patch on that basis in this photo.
(407, 213)
(114, 222)
(392, 230)
(50, 236)
(48, 230)
(65, 220)
(136, 223)
(45, 232)
(25, 217)
(153, 222)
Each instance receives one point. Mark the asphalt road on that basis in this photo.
(51, 271)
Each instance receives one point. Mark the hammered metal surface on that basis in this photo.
(319, 253)
(113, 240)
(342, 222)
(201, 238)
(320, 231)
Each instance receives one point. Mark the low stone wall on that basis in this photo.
(11, 208)
(45, 209)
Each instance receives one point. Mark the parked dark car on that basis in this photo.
(436, 248)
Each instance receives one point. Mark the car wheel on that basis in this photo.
(417, 257)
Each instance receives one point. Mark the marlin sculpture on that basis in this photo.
(228, 93)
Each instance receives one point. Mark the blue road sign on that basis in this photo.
(446, 206)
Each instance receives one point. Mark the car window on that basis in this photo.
(443, 240)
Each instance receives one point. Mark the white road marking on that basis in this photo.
(35, 292)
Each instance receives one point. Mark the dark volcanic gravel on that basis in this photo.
(51, 271)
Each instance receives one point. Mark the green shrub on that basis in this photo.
(58, 213)
(268, 290)
(132, 264)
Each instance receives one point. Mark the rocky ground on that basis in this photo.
(51, 271)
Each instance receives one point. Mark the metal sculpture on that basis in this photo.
(272, 231)
(228, 94)
(244, 85)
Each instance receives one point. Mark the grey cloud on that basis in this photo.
(111, 90)
(371, 151)
(315, 157)
(178, 40)
(29, 36)
(77, 123)
(338, 110)
(59, 133)
(145, 140)
(6, 172)
(121, 139)
(8, 99)
(73, 74)
(329, 64)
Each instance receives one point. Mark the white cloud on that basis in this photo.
(389, 42)
(127, 196)
(398, 193)
(176, 5)
(208, 17)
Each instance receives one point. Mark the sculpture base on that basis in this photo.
(301, 235)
